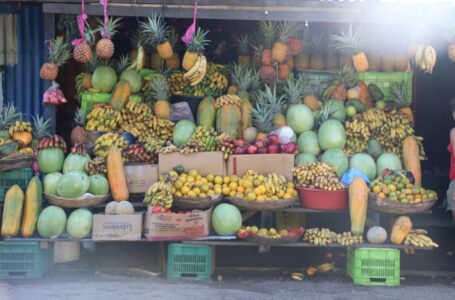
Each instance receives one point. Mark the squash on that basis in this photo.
(124, 208)
(376, 235)
(120, 95)
(12, 211)
(32, 206)
(401, 228)
(411, 158)
(228, 119)
(111, 208)
(206, 112)
(358, 203)
(116, 175)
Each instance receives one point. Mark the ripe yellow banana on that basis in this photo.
(189, 75)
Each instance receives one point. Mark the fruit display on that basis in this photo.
(317, 175)
(270, 233)
(159, 195)
(138, 153)
(419, 238)
(103, 118)
(106, 141)
(96, 166)
(324, 237)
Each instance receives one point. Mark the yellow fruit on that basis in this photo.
(185, 190)
(218, 190)
(219, 180)
(261, 178)
(376, 189)
(191, 194)
(211, 192)
(251, 196)
(210, 177)
(256, 183)
(239, 195)
(190, 179)
(290, 185)
(183, 178)
(261, 198)
(178, 194)
(197, 191)
(234, 178)
(178, 184)
(280, 195)
(226, 179)
(204, 180)
(247, 184)
(232, 194)
(198, 183)
(287, 196)
(204, 188)
(202, 195)
(226, 191)
(193, 173)
(289, 191)
(233, 186)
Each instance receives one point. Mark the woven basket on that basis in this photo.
(263, 204)
(377, 204)
(76, 202)
(257, 239)
(16, 161)
(197, 202)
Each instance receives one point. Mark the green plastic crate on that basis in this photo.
(187, 261)
(317, 81)
(24, 260)
(21, 177)
(384, 79)
(374, 266)
(136, 99)
(90, 99)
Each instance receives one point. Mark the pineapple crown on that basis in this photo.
(123, 63)
(243, 44)
(59, 51)
(241, 76)
(262, 117)
(325, 113)
(160, 89)
(111, 27)
(41, 127)
(293, 91)
(317, 42)
(9, 115)
(140, 39)
(157, 29)
(80, 117)
(173, 37)
(270, 98)
(398, 91)
(348, 43)
(267, 31)
(94, 63)
(285, 30)
(346, 76)
(198, 41)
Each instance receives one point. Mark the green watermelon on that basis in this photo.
(73, 184)
(183, 131)
(304, 158)
(51, 222)
(79, 224)
(388, 161)
(226, 219)
(364, 163)
(337, 159)
(336, 109)
(104, 79)
(331, 135)
(98, 185)
(50, 160)
(75, 162)
(308, 143)
(50, 182)
(134, 79)
(300, 118)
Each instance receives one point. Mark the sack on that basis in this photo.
(351, 174)
(180, 111)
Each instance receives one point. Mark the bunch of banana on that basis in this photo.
(5, 141)
(297, 276)
(54, 141)
(320, 236)
(103, 118)
(154, 145)
(176, 83)
(198, 71)
(357, 136)
(134, 112)
(192, 146)
(348, 239)
(326, 267)
(96, 166)
(20, 126)
(207, 136)
(106, 141)
(226, 100)
(168, 149)
(419, 238)
(225, 144)
(159, 128)
(425, 58)
(317, 175)
(275, 184)
(137, 153)
(160, 193)
(78, 149)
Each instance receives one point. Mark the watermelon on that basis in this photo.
(50, 182)
(374, 148)
(75, 162)
(300, 118)
(388, 161)
(304, 158)
(337, 159)
(183, 131)
(98, 185)
(336, 109)
(50, 160)
(73, 184)
(226, 219)
(79, 224)
(331, 135)
(133, 78)
(104, 78)
(51, 222)
(308, 143)
(364, 163)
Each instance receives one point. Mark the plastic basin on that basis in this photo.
(323, 200)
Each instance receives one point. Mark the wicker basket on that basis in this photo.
(257, 239)
(76, 202)
(377, 204)
(263, 204)
(197, 202)
(16, 161)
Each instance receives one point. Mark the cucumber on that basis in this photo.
(359, 106)
(375, 92)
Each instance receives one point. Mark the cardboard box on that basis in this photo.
(140, 177)
(263, 163)
(117, 228)
(204, 162)
(173, 226)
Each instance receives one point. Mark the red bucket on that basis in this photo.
(323, 200)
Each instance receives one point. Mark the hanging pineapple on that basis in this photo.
(59, 53)
(350, 43)
(195, 49)
(160, 94)
(82, 51)
(105, 46)
(317, 51)
(173, 62)
(243, 48)
(79, 134)
(21, 132)
(280, 48)
(159, 34)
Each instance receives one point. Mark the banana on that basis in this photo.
(202, 70)
(189, 75)
(327, 267)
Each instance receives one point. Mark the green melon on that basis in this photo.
(304, 158)
(79, 224)
(300, 118)
(374, 148)
(50, 160)
(308, 143)
(364, 163)
(134, 79)
(337, 159)
(51, 222)
(73, 184)
(331, 135)
(104, 79)
(75, 162)
(336, 109)
(98, 185)
(388, 161)
(50, 182)
(183, 131)
(226, 219)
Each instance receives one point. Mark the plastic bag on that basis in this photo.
(351, 174)
(53, 95)
(180, 111)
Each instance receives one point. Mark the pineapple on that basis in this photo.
(8, 116)
(159, 34)
(262, 119)
(79, 134)
(283, 71)
(309, 98)
(317, 56)
(21, 132)
(293, 91)
(267, 31)
(59, 53)
(295, 46)
(345, 78)
(243, 78)
(41, 129)
(160, 94)
(105, 46)
(349, 43)
(123, 63)
(331, 57)
(398, 92)
(257, 55)
(173, 62)
(156, 62)
(276, 104)
(243, 45)
(82, 52)
(268, 74)
(280, 48)
(195, 48)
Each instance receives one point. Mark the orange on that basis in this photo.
(247, 184)
(251, 196)
(226, 191)
(240, 189)
(218, 180)
(226, 179)
(233, 186)
(204, 180)
(185, 190)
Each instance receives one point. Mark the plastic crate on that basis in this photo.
(374, 266)
(21, 177)
(90, 99)
(24, 260)
(318, 81)
(187, 261)
(384, 79)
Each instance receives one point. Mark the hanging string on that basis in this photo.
(104, 33)
(81, 25)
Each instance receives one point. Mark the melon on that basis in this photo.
(388, 161)
(50, 182)
(73, 184)
(376, 235)
(50, 160)
(111, 207)
(337, 159)
(51, 222)
(98, 185)
(250, 134)
(336, 109)
(104, 79)
(134, 79)
(79, 224)
(304, 158)
(308, 143)
(374, 148)
(226, 219)
(75, 162)
(364, 163)
(183, 131)
(124, 208)
(331, 135)
(300, 118)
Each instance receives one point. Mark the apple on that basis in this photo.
(273, 149)
(251, 149)
(292, 148)
(273, 139)
(262, 150)
(260, 143)
(239, 142)
(239, 150)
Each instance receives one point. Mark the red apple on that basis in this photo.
(251, 149)
(239, 142)
(239, 150)
(260, 143)
(273, 149)
(273, 139)
(292, 148)
(283, 148)
(262, 150)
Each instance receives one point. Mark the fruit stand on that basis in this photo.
(173, 143)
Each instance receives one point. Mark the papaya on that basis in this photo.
(400, 230)
(246, 117)
(228, 119)
(32, 206)
(358, 203)
(411, 158)
(206, 112)
(116, 175)
(364, 95)
(12, 211)
(120, 95)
